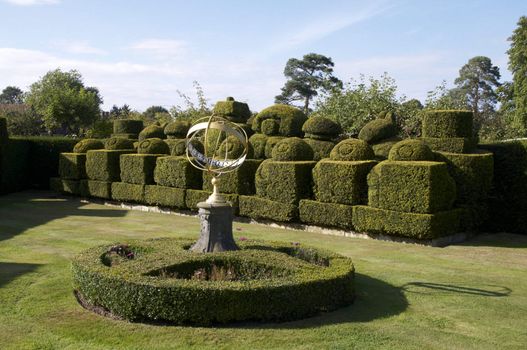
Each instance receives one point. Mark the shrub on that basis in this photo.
(97, 189)
(232, 148)
(260, 282)
(451, 144)
(412, 187)
(86, 145)
(258, 142)
(165, 196)
(14, 166)
(412, 225)
(138, 168)
(321, 149)
(341, 182)
(127, 126)
(262, 208)
(410, 150)
(284, 182)
(447, 124)
(240, 181)
(3, 130)
(377, 130)
(153, 146)
(64, 186)
(151, 132)
(125, 192)
(132, 137)
(351, 150)
(292, 148)
(72, 166)
(178, 147)
(321, 128)
(193, 197)
(118, 143)
(103, 165)
(382, 148)
(326, 214)
(177, 172)
(177, 129)
(290, 119)
(270, 127)
(270, 143)
(232, 110)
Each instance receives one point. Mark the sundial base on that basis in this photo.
(216, 228)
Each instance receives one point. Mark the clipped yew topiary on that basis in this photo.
(410, 150)
(447, 124)
(97, 189)
(352, 150)
(232, 110)
(193, 197)
(321, 128)
(377, 130)
(127, 192)
(269, 145)
(152, 131)
(258, 142)
(326, 214)
(86, 145)
(240, 181)
(138, 168)
(382, 148)
(177, 129)
(72, 166)
(261, 208)
(321, 149)
(177, 172)
(232, 148)
(165, 196)
(288, 117)
(127, 126)
(292, 148)
(103, 165)
(153, 146)
(270, 127)
(115, 143)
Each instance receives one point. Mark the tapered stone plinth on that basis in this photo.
(216, 228)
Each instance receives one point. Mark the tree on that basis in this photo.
(149, 115)
(306, 77)
(63, 101)
(518, 66)
(191, 110)
(21, 119)
(11, 95)
(409, 115)
(478, 80)
(443, 98)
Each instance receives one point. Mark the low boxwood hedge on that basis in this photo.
(97, 189)
(165, 196)
(261, 208)
(177, 172)
(163, 281)
(326, 214)
(138, 168)
(104, 165)
(72, 166)
(126, 192)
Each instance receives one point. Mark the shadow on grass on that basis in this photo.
(441, 288)
(500, 240)
(24, 210)
(9, 271)
(375, 299)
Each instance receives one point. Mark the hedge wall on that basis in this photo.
(97, 189)
(262, 208)
(138, 168)
(447, 124)
(72, 166)
(177, 172)
(326, 214)
(104, 165)
(165, 196)
(240, 181)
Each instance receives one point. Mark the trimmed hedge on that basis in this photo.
(232, 110)
(341, 182)
(232, 148)
(412, 187)
(165, 196)
(270, 127)
(258, 142)
(326, 214)
(447, 124)
(65, 186)
(178, 147)
(153, 146)
(382, 149)
(138, 168)
(177, 129)
(127, 126)
(86, 145)
(177, 172)
(272, 282)
(284, 182)
(321, 149)
(321, 128)
(292, 149)
(72, 166)
(132, 137)
(412, 225)
(351, 150)
(240, 181)
(410, 150)
(262, 208)
(15, 168)
(151, 132)
(290, 119)
(125, 192)
(269, 145)
(104, 165)
(377, 130)
(97, 189)
(3, 130)
(452, 144)
(118, 143)
(193, 197)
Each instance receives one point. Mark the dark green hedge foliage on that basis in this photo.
(447, 124)
(151, 132)
(103, 165)
(64, 186)
(177, 172)
(269, 145)
(377, 130)
(138, 168)
(412, 187)
(247, 128)
(321, 149)
(321, 128)
(232, 148)
(97, 189)
(86, 145)
(15, 168)
(261, 208)
(270, 127)
(341, 182)
(132, 137)
(165, 196)
(410, 150)
(276, 282)
(326, 214)
(118, 143)
(232, 110)
(177, 129)
(290, 119)
(153, 146)
(351, 150)
(258, 142)
(412, 225)
(193, 197)
(3, 130)
(72, 166)
(292, 149)
(240, 181)
(178, 147)
(128, 192)
(508, 197)
(127, 126)
(284, 182)
(382, 149)
(452, 144)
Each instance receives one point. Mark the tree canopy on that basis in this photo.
(12, 95)
(518, 66)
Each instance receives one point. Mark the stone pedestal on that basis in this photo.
(216, 228)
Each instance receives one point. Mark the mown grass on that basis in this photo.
(468, 296)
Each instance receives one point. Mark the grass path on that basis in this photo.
(467, 296)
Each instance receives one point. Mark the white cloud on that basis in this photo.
(81, 47)
(32, 2)
(161, 48)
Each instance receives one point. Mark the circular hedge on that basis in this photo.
(258, 142)
(153, 146)
(159, 279)
(410, 150)
(127, 126)
(178, 147)
(321, 149)
(378, 129)
(291, 149)
(270, 127)
(232, 148)
(352, 150)
(177, 129)
(270, 143)
(321, 128)
(290, 119)
(152, 131)
(115, 143)
(86, 145)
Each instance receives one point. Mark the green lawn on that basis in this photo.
(468, 296)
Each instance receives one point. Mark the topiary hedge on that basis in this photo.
(126, 192)
(138, 168)
(288, 117)
(269, 145)
(258, 142)
(3, 130)
(161, 280)
(321, 128)
(127, 126)
(232, 148)
(410, 150)
(165, 196)
(177, 172)
(72, 166)
(262, 208)
(118, 143)
(65, 186)
(451, 144)
(232, 110)
(321, 149)
(326, 214)
(377, 130)
(177, 129)
(103, 165)
(153, 146)
(382, 148)
(447, 124)
(240, 181)
(193, 197)
(97, 189)
(292, 149)
(86, 145)
(151, 132)
(352, 150)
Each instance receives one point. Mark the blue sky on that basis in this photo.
(142, 52)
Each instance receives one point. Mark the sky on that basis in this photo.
(141, 53)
